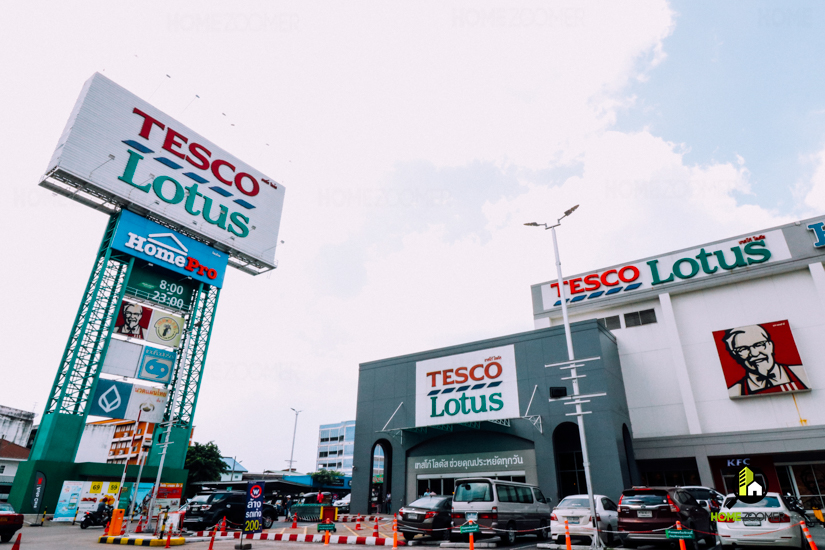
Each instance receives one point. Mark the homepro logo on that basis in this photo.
(168, 248)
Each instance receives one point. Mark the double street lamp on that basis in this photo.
(596, 540)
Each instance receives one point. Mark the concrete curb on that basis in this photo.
(141, 541)
(286, 537)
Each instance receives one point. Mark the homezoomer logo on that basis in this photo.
(752, 487)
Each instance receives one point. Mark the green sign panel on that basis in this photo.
(677, 534)
(326, 527)
(470, 528)
(160, 286)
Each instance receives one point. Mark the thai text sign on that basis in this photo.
(254, 507)
(467, 387)
(474, 462)
(120, 147)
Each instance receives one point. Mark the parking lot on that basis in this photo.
(65, 536)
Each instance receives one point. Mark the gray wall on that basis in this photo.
(383, 385)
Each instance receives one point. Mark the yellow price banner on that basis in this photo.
(96, 487)
(113, 487)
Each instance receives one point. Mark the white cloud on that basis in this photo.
(815, 197)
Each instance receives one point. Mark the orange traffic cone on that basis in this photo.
(295, 521)
(139, 528)
(169, 539)
(212, 540)
(223, 524)
(375, 530)
(17, 542)
(358, 522)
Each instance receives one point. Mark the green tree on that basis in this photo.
(204, 463)
(325, 478)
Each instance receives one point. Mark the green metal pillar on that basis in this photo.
(64, 418)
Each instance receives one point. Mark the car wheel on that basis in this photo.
(544, 532)
(508, 538)
(268, 521)
(6, 537)
(609, 539)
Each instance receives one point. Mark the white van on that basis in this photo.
(500, 508)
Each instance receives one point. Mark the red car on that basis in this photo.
(10, 521)
(646, 512)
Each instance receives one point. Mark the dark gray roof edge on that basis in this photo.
(486, 343)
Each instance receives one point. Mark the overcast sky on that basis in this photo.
(414, 140)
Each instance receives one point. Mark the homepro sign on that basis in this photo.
(169, 249)
(467, 387)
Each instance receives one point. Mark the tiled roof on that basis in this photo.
(12, 450)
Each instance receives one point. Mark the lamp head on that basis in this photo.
(568, 212)
(532, 224)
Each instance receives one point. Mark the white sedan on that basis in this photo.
(576, 510)
(768, 523)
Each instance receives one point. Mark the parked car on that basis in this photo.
(761, 523)
(710, 499)
(576, 510)
(312, 498)
(646, 509)
(343, 503)
(427, 515)
(502, 508)
(10, 521)
(207, 509)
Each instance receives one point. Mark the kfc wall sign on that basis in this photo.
(152, 325)
(760, 360)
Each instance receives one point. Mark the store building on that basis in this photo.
(709, 357)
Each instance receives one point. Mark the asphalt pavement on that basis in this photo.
(64, 536)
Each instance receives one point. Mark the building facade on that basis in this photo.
(115, 441)
(335, 447)
(708, 357)
(15, 425)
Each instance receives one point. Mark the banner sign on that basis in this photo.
(38, 491)
(678, 267)
(761, 360)
(156, 365)
(93, 493)
(122, 358)
(253, 520)
(120, 400)
(467, 387)
(122, 148)
(67, 502)
(138, 321)
(169, 249)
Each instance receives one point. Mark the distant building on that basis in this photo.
(335, 447)
(236, 469)
(11, 454)
(114, 441)
(15, 425)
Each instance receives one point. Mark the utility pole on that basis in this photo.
(294, 432)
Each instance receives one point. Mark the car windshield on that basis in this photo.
(200, 499)
(767, 502)
(430, 503)
(474, 491)
(648, 498)
(6, 507)
(577, 502)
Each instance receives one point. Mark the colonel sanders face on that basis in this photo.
(752, 348)
(132, 314)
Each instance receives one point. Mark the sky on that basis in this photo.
(414, 140)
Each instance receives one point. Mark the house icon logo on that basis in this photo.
(168, 241)
(752, 485)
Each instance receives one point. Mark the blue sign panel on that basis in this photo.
(156, 365)
(254, 507)
(164, 247)
(111, 398)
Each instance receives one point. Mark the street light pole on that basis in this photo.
(595, 540)
(294, 432)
